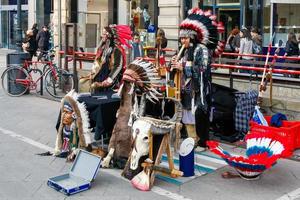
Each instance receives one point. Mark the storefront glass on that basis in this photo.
(227, 1)
(43, 9)
(9, 27)
(138, 15)
(13, 2)
(144, 16)
(286, 19)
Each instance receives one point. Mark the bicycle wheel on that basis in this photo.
(15, 81)
(45, 68)
(58, 86)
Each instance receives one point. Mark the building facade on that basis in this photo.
(270, 16)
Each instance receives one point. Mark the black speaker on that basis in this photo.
(223, 108)
(74, 11)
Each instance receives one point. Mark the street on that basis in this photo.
(27, 127)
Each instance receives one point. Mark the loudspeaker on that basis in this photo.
(223, 108)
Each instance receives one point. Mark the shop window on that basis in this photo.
(139, 18)
(286, 20)
(52, 6)
(206, 2)
(228, 1)
(13, 2)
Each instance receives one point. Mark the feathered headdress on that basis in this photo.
(144, 75)
(120, 35)
(263, 150)
(203, 28)
(70, 101)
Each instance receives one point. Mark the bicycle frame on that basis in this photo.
(30, 82)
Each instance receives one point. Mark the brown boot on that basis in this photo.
(191, 131)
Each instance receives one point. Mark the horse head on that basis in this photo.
(140, 131)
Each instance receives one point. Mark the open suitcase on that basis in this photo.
(83, 171)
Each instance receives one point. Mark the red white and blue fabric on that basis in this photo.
(263, 150)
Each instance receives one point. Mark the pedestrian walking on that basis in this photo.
(246, 47)
(292, 49)
(42, 39)
(29, 43)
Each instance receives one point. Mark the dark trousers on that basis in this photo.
(202, 126)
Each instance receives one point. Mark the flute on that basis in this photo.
(178, 55)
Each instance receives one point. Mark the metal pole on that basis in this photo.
(271, 20)
(75, 76)
(242, 17)
(59, 33)
(19, 29)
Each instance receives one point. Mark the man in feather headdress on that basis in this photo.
(110, 58)
(73, 132)
(199, 36)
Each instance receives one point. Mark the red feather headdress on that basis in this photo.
(203, 27)
(121, 34)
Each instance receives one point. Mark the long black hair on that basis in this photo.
(246, 34)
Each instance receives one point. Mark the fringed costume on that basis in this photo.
(110, 58)
(202, 29)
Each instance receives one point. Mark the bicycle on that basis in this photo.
(17, 80)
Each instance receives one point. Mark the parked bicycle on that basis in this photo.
(17, 80)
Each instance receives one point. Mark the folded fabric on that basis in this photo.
(276, 119)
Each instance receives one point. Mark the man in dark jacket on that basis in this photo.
(43, 38)
(35, 31)
(200, 40)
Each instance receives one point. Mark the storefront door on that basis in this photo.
(230, 19)
(9, 27)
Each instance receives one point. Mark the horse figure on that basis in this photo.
(141, 130)
(139, 76)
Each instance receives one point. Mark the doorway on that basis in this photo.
(230, 19)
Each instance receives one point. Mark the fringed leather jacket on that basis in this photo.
(196, 77)
(110, 65)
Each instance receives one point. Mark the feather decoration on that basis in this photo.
(121, 35)
(263, 151)
(205, 28)
(145, 77)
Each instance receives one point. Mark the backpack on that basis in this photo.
(256, 48)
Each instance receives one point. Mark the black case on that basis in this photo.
(222, 110)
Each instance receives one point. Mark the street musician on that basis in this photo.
(110, 58)
(199, 39)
